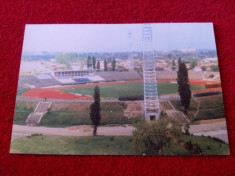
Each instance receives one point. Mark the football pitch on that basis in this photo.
(128, 89)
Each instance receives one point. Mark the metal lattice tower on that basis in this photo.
(130, 57)
(151, 103)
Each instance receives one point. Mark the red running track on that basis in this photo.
(55, 93)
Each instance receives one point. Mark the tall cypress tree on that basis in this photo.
(113, 64)
(105, 65)
(98, 65)
(95, 110)
(183, 85)
(89, 62)
(94, 62)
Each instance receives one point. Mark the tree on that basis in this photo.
(152, 137)
(94, 62)
(95, 110)
(193, 148)
(113, 64)
(193, 64)
(89, 62)
(203, 68)
(214, 68)
(105, 65)
(173, 62)
(66, 58)
(98, 65)
(183, 85)
(173, 65)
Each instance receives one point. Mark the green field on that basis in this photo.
(21, 114)
(210, 146)
(130, 89)
(106, 145)
(210, 107)
(112, 113)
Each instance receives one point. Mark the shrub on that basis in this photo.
(137, 119)
(130, 98)
(112, 138)
(193, 148)
(206, 94)
(152, 137)
(186, 128)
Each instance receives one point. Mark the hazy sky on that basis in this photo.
(114, 37)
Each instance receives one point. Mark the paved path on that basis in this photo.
(217, 129)
(81, 130)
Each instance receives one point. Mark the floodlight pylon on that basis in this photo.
(151, 102)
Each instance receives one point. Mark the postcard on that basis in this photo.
(119, 89)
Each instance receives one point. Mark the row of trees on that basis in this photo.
(113, 63)
(193, 63)
(66, 58)
(92, 63)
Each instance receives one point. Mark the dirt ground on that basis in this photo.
(70, 106)
(27, 104)
(133, 109)
(199, 122)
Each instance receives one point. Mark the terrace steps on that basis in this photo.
(40, 110)
(172, 112)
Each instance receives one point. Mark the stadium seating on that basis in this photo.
(81, 80)
(119, 76)
(31, 81)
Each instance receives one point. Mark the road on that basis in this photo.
(217, 129)
(81, 130)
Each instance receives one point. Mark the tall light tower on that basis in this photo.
(151, 103)
(130, 51)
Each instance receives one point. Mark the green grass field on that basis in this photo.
(210, 146)
(106, 145)
(130, 89)
(112, 113)
(21, 114)
(74, 145)
(211, 107)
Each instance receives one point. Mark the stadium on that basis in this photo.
(77, 86)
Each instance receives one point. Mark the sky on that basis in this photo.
(116, 37)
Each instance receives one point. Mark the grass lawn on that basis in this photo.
(106, 145)
(211, 107)
(210, 146)
(21, 114)
(192, 110)
(130, 89)
(112, 113)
